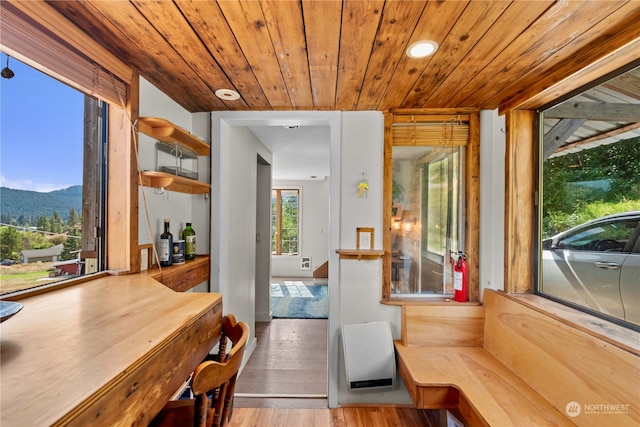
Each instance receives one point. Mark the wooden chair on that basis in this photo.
(213, 384)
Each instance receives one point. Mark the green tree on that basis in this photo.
(289, 236)
(56, 223)
(74, 218)
(71, 245)
(43, 223)
(587, 184)
(10, 243)
(38, 241)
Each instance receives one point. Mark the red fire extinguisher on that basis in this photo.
(460, 277)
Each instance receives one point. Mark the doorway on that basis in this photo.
(230, 129)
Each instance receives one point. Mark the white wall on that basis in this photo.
(360, 281)
(234, 219)
(492, 164)
(178, 207)
(314, 236)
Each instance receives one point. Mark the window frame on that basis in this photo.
(34, 37)
(471, 197)
(298, 189)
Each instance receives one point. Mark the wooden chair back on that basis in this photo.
(212, 383)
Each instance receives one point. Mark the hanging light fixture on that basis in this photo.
(6, 72)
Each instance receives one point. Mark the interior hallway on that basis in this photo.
(288, 368)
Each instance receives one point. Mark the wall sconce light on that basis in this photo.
(407, 225)
(396, 224)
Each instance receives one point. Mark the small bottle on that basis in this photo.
(165, 248)
(189, 237)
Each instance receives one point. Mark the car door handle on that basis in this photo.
(607, 265)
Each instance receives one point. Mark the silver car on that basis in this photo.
(596, 265)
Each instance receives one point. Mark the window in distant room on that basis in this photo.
(285, 221)
(589, 242)
(51, 181)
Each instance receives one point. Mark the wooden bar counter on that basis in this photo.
(105, 352)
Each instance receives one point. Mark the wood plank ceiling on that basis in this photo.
(350, 55)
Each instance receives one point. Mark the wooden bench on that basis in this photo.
(506, 363)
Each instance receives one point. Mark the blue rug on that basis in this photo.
(295, 300)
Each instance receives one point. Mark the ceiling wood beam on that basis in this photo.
(600, 111)
(559, 134)
(598, 137)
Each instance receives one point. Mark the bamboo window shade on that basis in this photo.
(445, 131)
(36, 34)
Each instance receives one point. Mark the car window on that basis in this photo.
(609, 237)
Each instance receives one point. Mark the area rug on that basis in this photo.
(295, 300)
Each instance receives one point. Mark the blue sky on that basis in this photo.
(41, 131)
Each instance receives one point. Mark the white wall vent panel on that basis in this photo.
(369, 356)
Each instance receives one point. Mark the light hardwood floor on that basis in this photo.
(291, 360)
(339, 417)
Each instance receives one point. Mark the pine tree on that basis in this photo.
(56, 222)
(71, 245)
(74, 219)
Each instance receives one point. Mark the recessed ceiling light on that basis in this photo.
(227, 94)
(422, 48)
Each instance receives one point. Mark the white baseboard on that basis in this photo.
(264, 317)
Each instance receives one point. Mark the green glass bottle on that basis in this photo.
(189, 237)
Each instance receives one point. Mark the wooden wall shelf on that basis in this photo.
(165, 131)
(173, 182)
(359, 254)
(183, 277)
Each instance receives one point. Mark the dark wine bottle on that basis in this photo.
(165, 249)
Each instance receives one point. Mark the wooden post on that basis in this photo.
(91, 177)
(472, 207)
(520, 180)
(122, 204)
(386, 206)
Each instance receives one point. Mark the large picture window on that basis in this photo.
(590, 199)
(285, 221)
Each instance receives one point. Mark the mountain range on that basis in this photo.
(33, 204)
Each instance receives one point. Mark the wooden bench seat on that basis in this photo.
(470, 379)
(506, 363)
